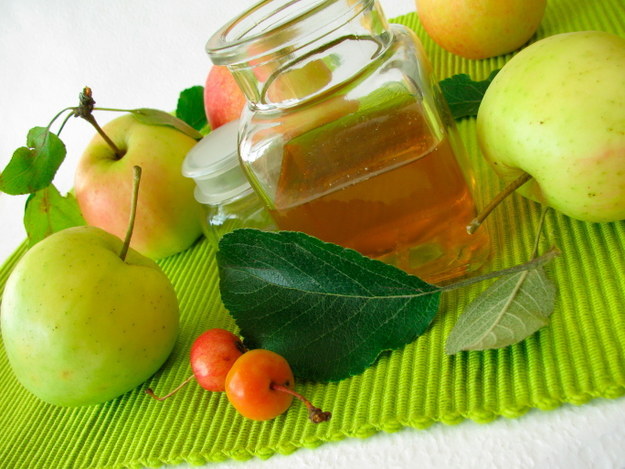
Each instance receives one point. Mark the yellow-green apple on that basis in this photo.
(223, 99)
(299, 82)
(556, 111)
(168, 216)
(477, 29)
(82, 326)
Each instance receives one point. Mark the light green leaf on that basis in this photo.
(33, 167)
(510, 310)
(157, 117)
(47, 212)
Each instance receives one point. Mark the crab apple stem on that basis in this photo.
(150, 392)
(509, 189)
(133, 211)
(315, 414)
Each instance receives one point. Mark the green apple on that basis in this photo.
(557, 112)
(477, 29)
(168, 216)
(82, 326)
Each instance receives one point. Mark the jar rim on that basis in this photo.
(270, 33)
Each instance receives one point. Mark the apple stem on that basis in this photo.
(315, 414)
(64, 121)
(93, 122)
(133, 211)
(113, 109)
(485, 212)
(534, 263)
(150, 392)
(85, 109)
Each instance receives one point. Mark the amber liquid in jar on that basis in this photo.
(383, 185)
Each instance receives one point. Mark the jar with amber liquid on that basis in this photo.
(346, 135)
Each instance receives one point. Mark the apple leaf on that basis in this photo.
(157, 117)
(465, 95)
(190, 108)
(328, 310)
(510, 310)
(33, 167)
(47, 212)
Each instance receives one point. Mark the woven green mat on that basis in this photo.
(578, 357)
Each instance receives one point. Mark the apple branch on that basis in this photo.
(85, 109)
(133, 211)
(485, 212)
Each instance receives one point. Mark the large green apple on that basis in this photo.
(557, 112)
(80, 325)
(477, 29)
(168, 216)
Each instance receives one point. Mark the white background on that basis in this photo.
(142, 54)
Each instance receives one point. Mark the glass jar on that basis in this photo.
(228, 200)
(346, 135)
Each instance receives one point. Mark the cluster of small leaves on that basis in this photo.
(31, 171)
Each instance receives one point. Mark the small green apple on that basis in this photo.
(168, 216)
(556, 111)
(82, 326)
(477, 29)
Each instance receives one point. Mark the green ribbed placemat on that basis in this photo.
(580, 356)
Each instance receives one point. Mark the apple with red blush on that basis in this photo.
(223, 99)
(478, 29)
(168, 216)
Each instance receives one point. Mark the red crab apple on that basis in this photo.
(168, 216)
(223, 99)
(478, 29)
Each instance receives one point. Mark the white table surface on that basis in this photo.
(137, 53)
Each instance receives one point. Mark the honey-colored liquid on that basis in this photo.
(385, 187)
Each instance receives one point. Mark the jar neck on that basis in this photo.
(282, 52)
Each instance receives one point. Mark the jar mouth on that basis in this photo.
(275, 27)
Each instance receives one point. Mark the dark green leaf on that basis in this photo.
(47, 212)
(328, 310)
(465, 95)
(157, 117)
(33, 167)
(510, 310)
(190, 107)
